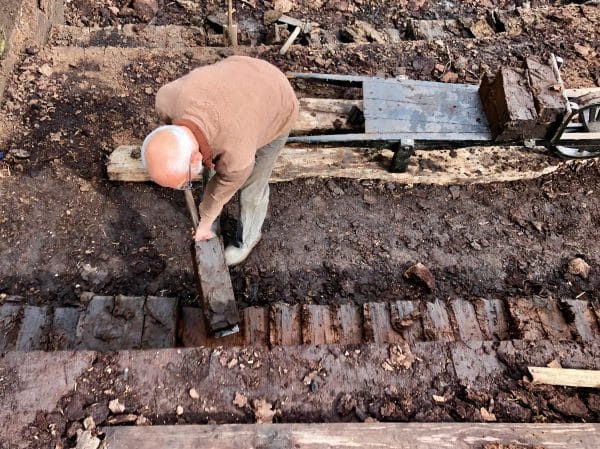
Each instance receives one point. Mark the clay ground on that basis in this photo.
(66, 229)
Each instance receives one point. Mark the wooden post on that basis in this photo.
(214, 286)
(232, 29)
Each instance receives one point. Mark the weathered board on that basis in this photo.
(214, 283)
(353, 435)
(441, 167)
(417, 108)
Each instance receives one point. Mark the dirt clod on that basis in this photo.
(240, 400)
(263, 411)
(579, 267)
(421, 275)
(116, 406)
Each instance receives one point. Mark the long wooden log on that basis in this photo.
(355, 435)
(462, 166)
(566, 377)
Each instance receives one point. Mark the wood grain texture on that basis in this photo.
(442, 167)
(218, 299)
(566, 377)
(354, 435)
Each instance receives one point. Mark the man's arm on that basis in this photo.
(219, 190)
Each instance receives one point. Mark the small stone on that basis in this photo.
(240, 400)
(20, 153)
(148, 91)
(116, 406)
(89, 424)
(45, 70)
(438, 399)
(420, 273)
(85, 440)
(122, 419)
(179, 410)
(334, 188)
(579, 267)
(194, 394)
(32, 51)
(114, 10)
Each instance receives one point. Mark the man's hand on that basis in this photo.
(203, 232)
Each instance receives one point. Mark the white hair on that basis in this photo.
(180, 160)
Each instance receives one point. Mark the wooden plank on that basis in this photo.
(493, 319)
(574, 93)
(347, 321)
(255, 326)
(441, 167)
(378, 324)
(110, 324)
(584, 320)
(64, 329)
(566, 377)
(552, 319)
(160, 322)
(353, 435)
(436, 322)
(10, 321)
(385, 122)
(285, 327)
(317, 325)
(33, 335)
(406, 319)
(194, 334)
(400, 108)
(214, 285)
(526, 320)
(466, 320)
(381, 138)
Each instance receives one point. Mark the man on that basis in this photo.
(233, 117)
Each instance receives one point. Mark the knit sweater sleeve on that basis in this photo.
(219, 190)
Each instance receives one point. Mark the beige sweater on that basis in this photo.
(241, 104)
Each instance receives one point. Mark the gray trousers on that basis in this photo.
(254, 194)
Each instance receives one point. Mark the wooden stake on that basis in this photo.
(232, 29)
(566, 377)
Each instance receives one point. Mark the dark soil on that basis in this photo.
(66, 229)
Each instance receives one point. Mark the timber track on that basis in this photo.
(115, 323)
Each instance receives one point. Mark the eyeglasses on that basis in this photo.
(188, 184)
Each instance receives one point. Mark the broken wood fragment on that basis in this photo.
(565, 377)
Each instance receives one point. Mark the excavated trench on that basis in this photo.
(332, 330)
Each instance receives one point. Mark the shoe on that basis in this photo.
(235, 255)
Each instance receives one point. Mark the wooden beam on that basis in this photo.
(353, 435)
(215, 288)
(573, 93)
(318, 114)
(441, 167)
(566, 377)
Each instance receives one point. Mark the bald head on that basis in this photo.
(168, 154)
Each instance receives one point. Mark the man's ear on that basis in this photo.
(196, 157)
